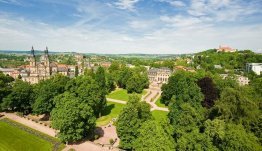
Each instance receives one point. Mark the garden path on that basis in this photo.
(83, 146)
(152, 98)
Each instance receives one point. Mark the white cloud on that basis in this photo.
(126, 4)
(10, 2)
(143, 24)
(178, 3)
(222, 10)
(175, 3)
(22, 34)
(180, 21)
(197, 28)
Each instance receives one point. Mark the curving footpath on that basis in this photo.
(152, 98)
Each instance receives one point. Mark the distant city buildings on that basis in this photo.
(225, 49)
(255, 67)
(159, 75)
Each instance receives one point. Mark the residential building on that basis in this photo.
(255, 67)
(240, 79)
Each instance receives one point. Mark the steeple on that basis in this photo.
(32, 51)
(32, 58)
(46, 50)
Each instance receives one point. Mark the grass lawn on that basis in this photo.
(121, 94)
(112, 111)
(158, 103)
(13, 137)
(159, 115)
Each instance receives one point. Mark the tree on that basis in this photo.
(257, 85)
(20, 99)
(186, 121)
(182, 87)
(73, 118)
(130, 120)
(153, 137)
(100, 78)
(136, 83)
(236, 138)
(46, 91)
(184, 118)
(5, 86)
(234, 106)
(19, 76)
(209, 90)
(125, 74)
(215, 129)
(76, 71)
(88, 90)
(110, 85)
(195, 141)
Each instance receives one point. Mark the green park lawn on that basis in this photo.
(121, 94)
(158, 103)
(13, 137)
(159, 115)
(112, 111)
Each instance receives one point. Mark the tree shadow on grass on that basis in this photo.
(108, 109)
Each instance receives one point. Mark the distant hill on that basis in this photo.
(131, 55)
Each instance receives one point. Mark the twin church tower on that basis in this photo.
(39, 70)
(42, 70)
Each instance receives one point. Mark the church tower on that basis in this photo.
(32, 58)
(46, 58)
(47, 62)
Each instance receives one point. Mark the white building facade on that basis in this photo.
(255, 67)
(159, 75)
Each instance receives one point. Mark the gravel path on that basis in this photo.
(152, 98)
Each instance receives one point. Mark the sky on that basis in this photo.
(130, 26)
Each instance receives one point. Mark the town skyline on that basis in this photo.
(130, 26)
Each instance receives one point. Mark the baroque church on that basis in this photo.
(37, 71)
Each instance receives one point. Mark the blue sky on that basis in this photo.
(130, 26)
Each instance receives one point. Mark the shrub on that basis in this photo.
(96, 137)
(111, 141)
